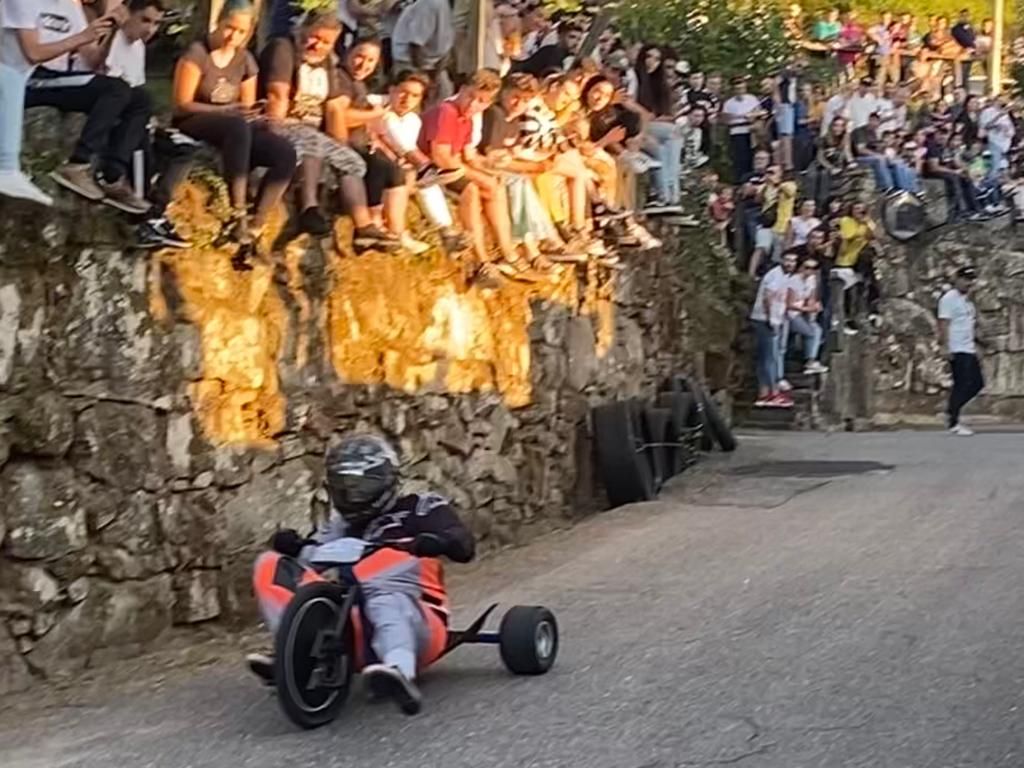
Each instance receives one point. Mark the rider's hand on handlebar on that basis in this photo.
(287, 541)
(427, 545)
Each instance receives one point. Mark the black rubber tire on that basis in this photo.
(681, 406)
(624, 466)
(714, 425)
(528, 639)
(309, 610)
(657, 422)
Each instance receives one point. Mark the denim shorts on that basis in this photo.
(785, 119)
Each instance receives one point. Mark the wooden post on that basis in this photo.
(996, 62)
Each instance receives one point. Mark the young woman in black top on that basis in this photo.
(215, 102)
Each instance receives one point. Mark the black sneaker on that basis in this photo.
(262, 666)
(159, 233)
(373, 238)
(387, 682)
(312, 222)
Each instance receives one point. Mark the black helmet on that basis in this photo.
(362, 477)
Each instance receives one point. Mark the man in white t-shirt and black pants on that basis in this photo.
(957, 317)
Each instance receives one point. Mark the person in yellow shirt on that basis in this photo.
(854, 264)
(856, 230)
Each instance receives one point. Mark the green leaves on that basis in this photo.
(733, 36)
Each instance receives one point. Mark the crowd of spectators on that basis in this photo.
(543, 149)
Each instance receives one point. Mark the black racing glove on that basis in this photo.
(287, 541)
(427, 545)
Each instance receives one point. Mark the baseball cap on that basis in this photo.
(968, 273)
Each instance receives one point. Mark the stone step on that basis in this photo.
(748, 416)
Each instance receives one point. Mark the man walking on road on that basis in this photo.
(956, 334)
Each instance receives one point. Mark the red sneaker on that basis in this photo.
(782, 400)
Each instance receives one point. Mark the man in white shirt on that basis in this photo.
(957, 317)
(838, 105)
(126, 60)
(768, 316)
(863, 104)
(67, 52)
(14, 73)
(739, 113)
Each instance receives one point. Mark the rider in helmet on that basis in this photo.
(404, 599)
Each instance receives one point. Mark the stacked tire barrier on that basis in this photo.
(642, 444)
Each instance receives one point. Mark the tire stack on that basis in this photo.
(642, 444)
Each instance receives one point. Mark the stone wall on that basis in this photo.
(161, 414)
(911, 375)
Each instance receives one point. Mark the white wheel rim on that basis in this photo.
(544, 639)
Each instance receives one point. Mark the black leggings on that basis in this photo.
(967, 383)
(245, 145)
(116, 122)
(381, 174)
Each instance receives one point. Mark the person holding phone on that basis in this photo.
(215, 102)
(66, 51)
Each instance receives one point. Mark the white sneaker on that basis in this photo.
(961, 431)
(414, 246)
(17, 184)
(814, 367)
(784, 386)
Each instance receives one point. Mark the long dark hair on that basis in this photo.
(652, 89)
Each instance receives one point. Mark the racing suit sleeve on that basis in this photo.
(434, 515)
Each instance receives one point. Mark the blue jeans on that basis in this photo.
(670, 155)
(767, 340)
(905, 177)
(880, 167)
(12, 113)
(811, 332)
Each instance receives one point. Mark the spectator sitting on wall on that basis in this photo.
(446, 138)
(890, 172)
(940, 164)
(215, 102)
(386, 191)
(300, 80)
(69, 52)
(172, 150)
(397, 132)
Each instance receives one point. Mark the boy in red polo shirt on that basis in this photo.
(447, 139)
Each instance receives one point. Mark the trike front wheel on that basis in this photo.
(314, 655)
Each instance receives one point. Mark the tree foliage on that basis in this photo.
(733, 36)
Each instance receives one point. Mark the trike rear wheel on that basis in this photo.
(314, 655)
(528, 639)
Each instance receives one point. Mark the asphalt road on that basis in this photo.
(867, 619)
